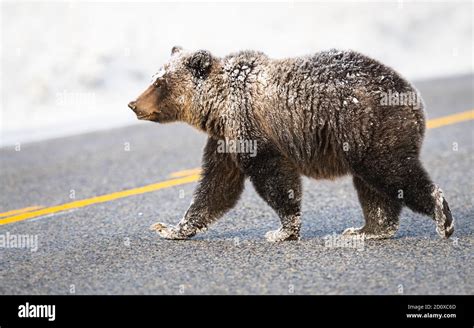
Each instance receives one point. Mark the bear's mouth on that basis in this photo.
(144, 117)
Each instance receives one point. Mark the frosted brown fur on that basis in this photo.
(323, 116)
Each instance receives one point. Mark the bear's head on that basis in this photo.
(171, 96)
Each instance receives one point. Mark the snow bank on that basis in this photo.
(73, 67)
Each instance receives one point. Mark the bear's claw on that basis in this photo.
(368, 235)
(167, 232)
(281, 235)
(442, 214)
(446, 230)
(351, 231)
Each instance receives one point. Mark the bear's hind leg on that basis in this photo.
(381, 213)
(405, 180)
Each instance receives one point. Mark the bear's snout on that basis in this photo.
(132, 105)
(142, 113)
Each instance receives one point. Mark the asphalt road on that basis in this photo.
(107, 248)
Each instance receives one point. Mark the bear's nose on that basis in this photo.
(132, 105)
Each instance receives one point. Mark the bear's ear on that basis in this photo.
(200, 63)
(175, 50)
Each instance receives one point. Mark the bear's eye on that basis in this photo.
(156, 84)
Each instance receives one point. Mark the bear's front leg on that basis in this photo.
(279, 184)
(218, 190)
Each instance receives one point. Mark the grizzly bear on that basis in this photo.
(323, 116)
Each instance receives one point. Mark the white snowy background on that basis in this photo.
(72, 67)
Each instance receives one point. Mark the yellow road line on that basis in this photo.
(450, 119)
(181, 177)
(184, 173)
(21, 210)
(101, 199)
